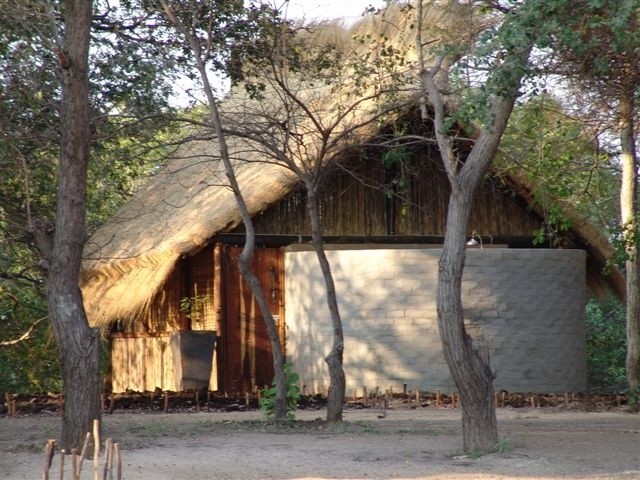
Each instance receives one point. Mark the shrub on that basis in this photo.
(268, 394)
(606, 345)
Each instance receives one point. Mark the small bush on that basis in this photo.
(268, 394)
(606, 345)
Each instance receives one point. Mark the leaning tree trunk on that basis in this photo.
(247, 251)
(470, 371)
(78, 344)
(629, 214)
(337, 385)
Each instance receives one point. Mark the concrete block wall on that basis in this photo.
(523, 308)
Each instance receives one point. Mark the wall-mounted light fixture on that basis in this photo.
(477, 240)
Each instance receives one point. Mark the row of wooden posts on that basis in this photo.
(112, 459)
(374, 398)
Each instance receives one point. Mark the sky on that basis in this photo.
(349, 10)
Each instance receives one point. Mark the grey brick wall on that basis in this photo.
(524, 308)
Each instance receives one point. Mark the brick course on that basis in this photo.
(524, 307)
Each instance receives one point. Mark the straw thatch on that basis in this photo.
(188, 201)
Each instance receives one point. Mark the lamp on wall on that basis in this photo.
(475, 240)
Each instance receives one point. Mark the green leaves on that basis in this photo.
(268, 394)
(606, 345)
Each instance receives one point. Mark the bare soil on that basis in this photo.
(407, 443)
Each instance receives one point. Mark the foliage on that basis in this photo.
(268, 394)
(192, 307)
(606, 345)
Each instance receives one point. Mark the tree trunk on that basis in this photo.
(337, 382)
(78, 344)
(471, 373)
(629, 215)
(247, 251)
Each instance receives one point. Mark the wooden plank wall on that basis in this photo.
(143, 363)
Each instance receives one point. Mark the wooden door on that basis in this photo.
(246, 349)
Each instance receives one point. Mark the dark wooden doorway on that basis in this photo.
(247, 362)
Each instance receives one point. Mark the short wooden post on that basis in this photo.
(209, 400)
(404, 390)
(7, 401)
(166, 402)
(74, 464)
(418, 396)
(48, 457)
(117, 460)
(438, 399)
(246, 399)
(197, 401)
(83, 452)
(63, 452)
(364, 396)
(107, 458)
(96, 449)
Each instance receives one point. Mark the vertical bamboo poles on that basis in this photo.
(112, 458)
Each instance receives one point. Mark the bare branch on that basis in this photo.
(25, 336)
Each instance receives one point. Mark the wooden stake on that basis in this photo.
(48, 457)
(417, 395)
(166, 402)
(83, 452)
(404, 390)
(438, 400)
(8, 398)
(209, 400)
(117, 460)
(96, 449)
(62, 454)
(197, 401)
(246, 398)
(107, 458)
(74, 464)
(364, 396)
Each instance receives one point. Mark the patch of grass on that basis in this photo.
(503, 445)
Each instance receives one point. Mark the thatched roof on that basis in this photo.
(188, 200)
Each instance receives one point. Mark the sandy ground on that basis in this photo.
(423, 443)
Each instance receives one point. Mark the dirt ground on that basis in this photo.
(421, 443)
